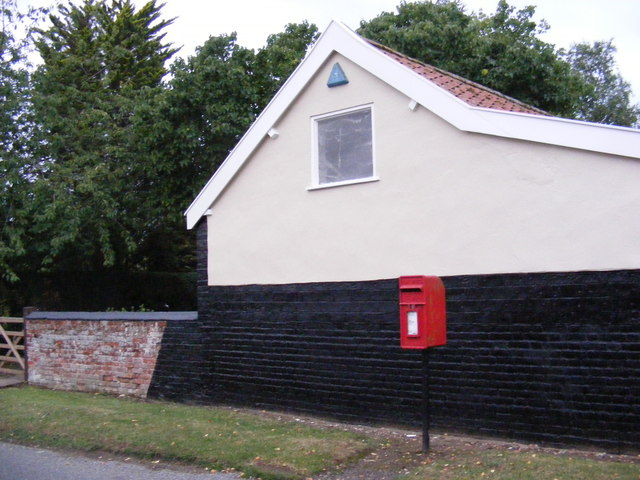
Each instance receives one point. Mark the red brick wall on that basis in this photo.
(108, 356)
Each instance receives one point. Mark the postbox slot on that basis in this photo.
(412, 297)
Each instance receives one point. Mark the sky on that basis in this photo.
(570, 21)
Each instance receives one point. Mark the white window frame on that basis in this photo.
(315, 157)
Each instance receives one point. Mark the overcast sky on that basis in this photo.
(570, 21)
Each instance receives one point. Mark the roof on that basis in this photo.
(465, 105)
(469, 92)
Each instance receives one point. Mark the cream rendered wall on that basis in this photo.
(447, 202)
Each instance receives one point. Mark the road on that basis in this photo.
(28, 463)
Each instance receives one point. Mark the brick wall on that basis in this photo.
(549, 357)
(94, 352)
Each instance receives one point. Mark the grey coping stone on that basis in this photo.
(114, 316)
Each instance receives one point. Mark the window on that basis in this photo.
(344, 147)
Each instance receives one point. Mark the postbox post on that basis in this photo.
(425, 401)
(422, 326)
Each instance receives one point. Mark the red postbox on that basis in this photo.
(423, 319)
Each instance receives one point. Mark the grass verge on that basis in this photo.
(505, 464)
(213, 438)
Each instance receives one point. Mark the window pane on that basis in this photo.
(345, 147)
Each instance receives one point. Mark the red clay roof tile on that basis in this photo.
(470, 92)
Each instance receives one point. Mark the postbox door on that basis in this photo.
(422, 312)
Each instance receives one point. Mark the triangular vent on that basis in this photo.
(337, 77)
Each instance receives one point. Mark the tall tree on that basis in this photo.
(185, 133)
(502, 51)
(188, 131)
(101, 60)
(608, 98)
(16, 168)
(281, 55)
(211, 100)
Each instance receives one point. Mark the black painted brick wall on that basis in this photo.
(551, 357)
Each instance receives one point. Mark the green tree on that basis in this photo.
(185, 133)
(207, 105)
(188, 131)
(502, 51)
(437, 33)
(16, 167)
(100, 61)
(281, 55)
(211, 100)
(608, 98)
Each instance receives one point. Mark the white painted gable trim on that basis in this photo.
(339, 38)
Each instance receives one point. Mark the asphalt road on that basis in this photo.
(28, 463)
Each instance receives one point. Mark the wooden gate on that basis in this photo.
(12, 347)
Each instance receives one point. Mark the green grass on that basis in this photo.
(213, 438)
(503, 464)
(263, 446)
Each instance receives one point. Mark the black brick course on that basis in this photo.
(547, 357)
